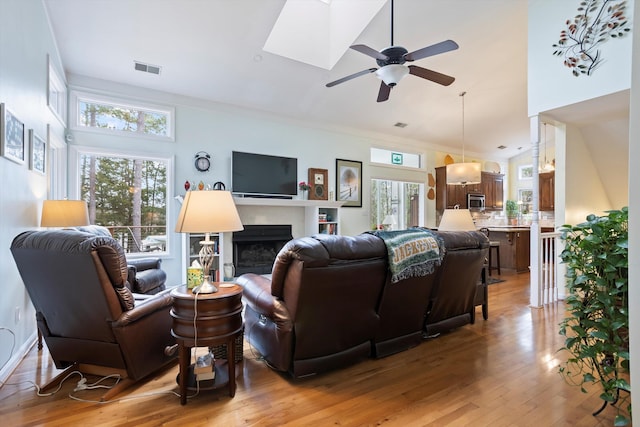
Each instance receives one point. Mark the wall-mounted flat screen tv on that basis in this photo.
(263, 175)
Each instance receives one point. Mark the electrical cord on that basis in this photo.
(13, 345)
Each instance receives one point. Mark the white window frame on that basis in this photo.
(74, 179)
(55, 82)
(95, 98)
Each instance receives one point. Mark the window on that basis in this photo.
(396, 205)
(127, 194)
(56, 93)
(396, 158)
(103, 114)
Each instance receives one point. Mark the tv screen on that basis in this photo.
(263, 175)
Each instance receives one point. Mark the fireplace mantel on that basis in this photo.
(260, 201)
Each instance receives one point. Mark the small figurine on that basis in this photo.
(187, 185)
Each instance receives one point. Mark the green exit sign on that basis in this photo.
(396, 158)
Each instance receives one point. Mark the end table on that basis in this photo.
(206, 320)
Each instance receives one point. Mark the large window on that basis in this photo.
(128, 195)
(104, 114)
(396, 205)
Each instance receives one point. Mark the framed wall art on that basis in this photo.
(318, 182)
(349, 182)
(11, 136)
(525, 172)
(38, 148)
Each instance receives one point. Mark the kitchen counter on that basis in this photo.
(514, 246)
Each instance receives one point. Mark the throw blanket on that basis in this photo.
(412, 253)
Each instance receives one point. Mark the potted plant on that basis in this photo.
(597, 329)
(512, 212)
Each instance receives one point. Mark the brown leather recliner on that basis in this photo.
(319, 309)
(90, 321)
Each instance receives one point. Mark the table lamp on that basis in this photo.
(456, 220)
(64, 213)
(208, 211)
(389, 221)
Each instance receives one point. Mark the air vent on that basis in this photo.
(147, 68)
(400, 125)
(502, 147)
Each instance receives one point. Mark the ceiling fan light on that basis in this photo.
(391, 74)
(463, 173)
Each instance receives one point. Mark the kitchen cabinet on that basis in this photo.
(447, 196)
(547, 190)
(514, 248)
(492, 187)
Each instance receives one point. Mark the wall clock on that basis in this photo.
(203, 161)
(319, 184)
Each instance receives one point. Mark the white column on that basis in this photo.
(535, 294)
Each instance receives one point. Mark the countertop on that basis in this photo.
(508, 228)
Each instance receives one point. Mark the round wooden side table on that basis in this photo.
(205, 320)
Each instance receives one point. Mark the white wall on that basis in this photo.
(550, 83)
(25, 42)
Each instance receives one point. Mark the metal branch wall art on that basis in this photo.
(597, 22)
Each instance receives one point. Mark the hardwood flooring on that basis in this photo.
(499, 372)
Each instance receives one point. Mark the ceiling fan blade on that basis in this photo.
(352, 76)
(434, 76)
(369, 51)
(383, 93)
(434, 49)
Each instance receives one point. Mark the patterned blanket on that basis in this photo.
(412, 253)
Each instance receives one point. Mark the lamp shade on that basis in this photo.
(389, 220)
(456, 220)
(64, 213)
(208, 211)
(463, 173)
(391, 74)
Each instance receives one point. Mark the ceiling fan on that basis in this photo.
(391, 62)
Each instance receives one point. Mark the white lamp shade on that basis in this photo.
(456, 220)
(208, 211)
(463, 173)
(64, 213)
(391, 74)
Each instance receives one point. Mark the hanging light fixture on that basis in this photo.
(548, 166)
(463, 173)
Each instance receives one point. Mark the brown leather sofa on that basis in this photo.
(330, 302)
(77, 282)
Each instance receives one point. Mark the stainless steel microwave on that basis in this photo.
(475, 202)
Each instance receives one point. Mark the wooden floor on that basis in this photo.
(499, 372)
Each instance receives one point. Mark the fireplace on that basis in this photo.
(255, 248)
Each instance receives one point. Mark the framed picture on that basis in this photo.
(38, 148)
(349, 182)
(525, 172)
(11, 136)
(318, 182)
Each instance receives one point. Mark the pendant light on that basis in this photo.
(548, 166)
(463, 173)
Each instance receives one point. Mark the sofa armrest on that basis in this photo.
(142, 264)
(257, 294)
(144, 308)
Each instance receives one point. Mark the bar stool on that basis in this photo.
(494, 249)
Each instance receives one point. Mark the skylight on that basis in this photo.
(320, 32)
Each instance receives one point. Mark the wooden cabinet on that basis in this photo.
(514, 249)
(547, 191)
(322, 220)
(447, 196)
(493, 189)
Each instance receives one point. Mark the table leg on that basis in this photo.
(184, 354)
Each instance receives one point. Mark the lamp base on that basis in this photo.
(206, 287)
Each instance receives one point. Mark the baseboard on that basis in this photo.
(17, 357)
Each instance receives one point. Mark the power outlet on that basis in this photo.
(17, 315)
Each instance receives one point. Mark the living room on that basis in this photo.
(200, 125)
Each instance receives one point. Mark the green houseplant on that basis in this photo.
(512, 211)
(596, 330)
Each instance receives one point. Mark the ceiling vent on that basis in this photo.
(400, 125)
(147, 68)
(502, 147)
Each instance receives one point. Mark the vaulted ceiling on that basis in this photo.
(214, 49)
